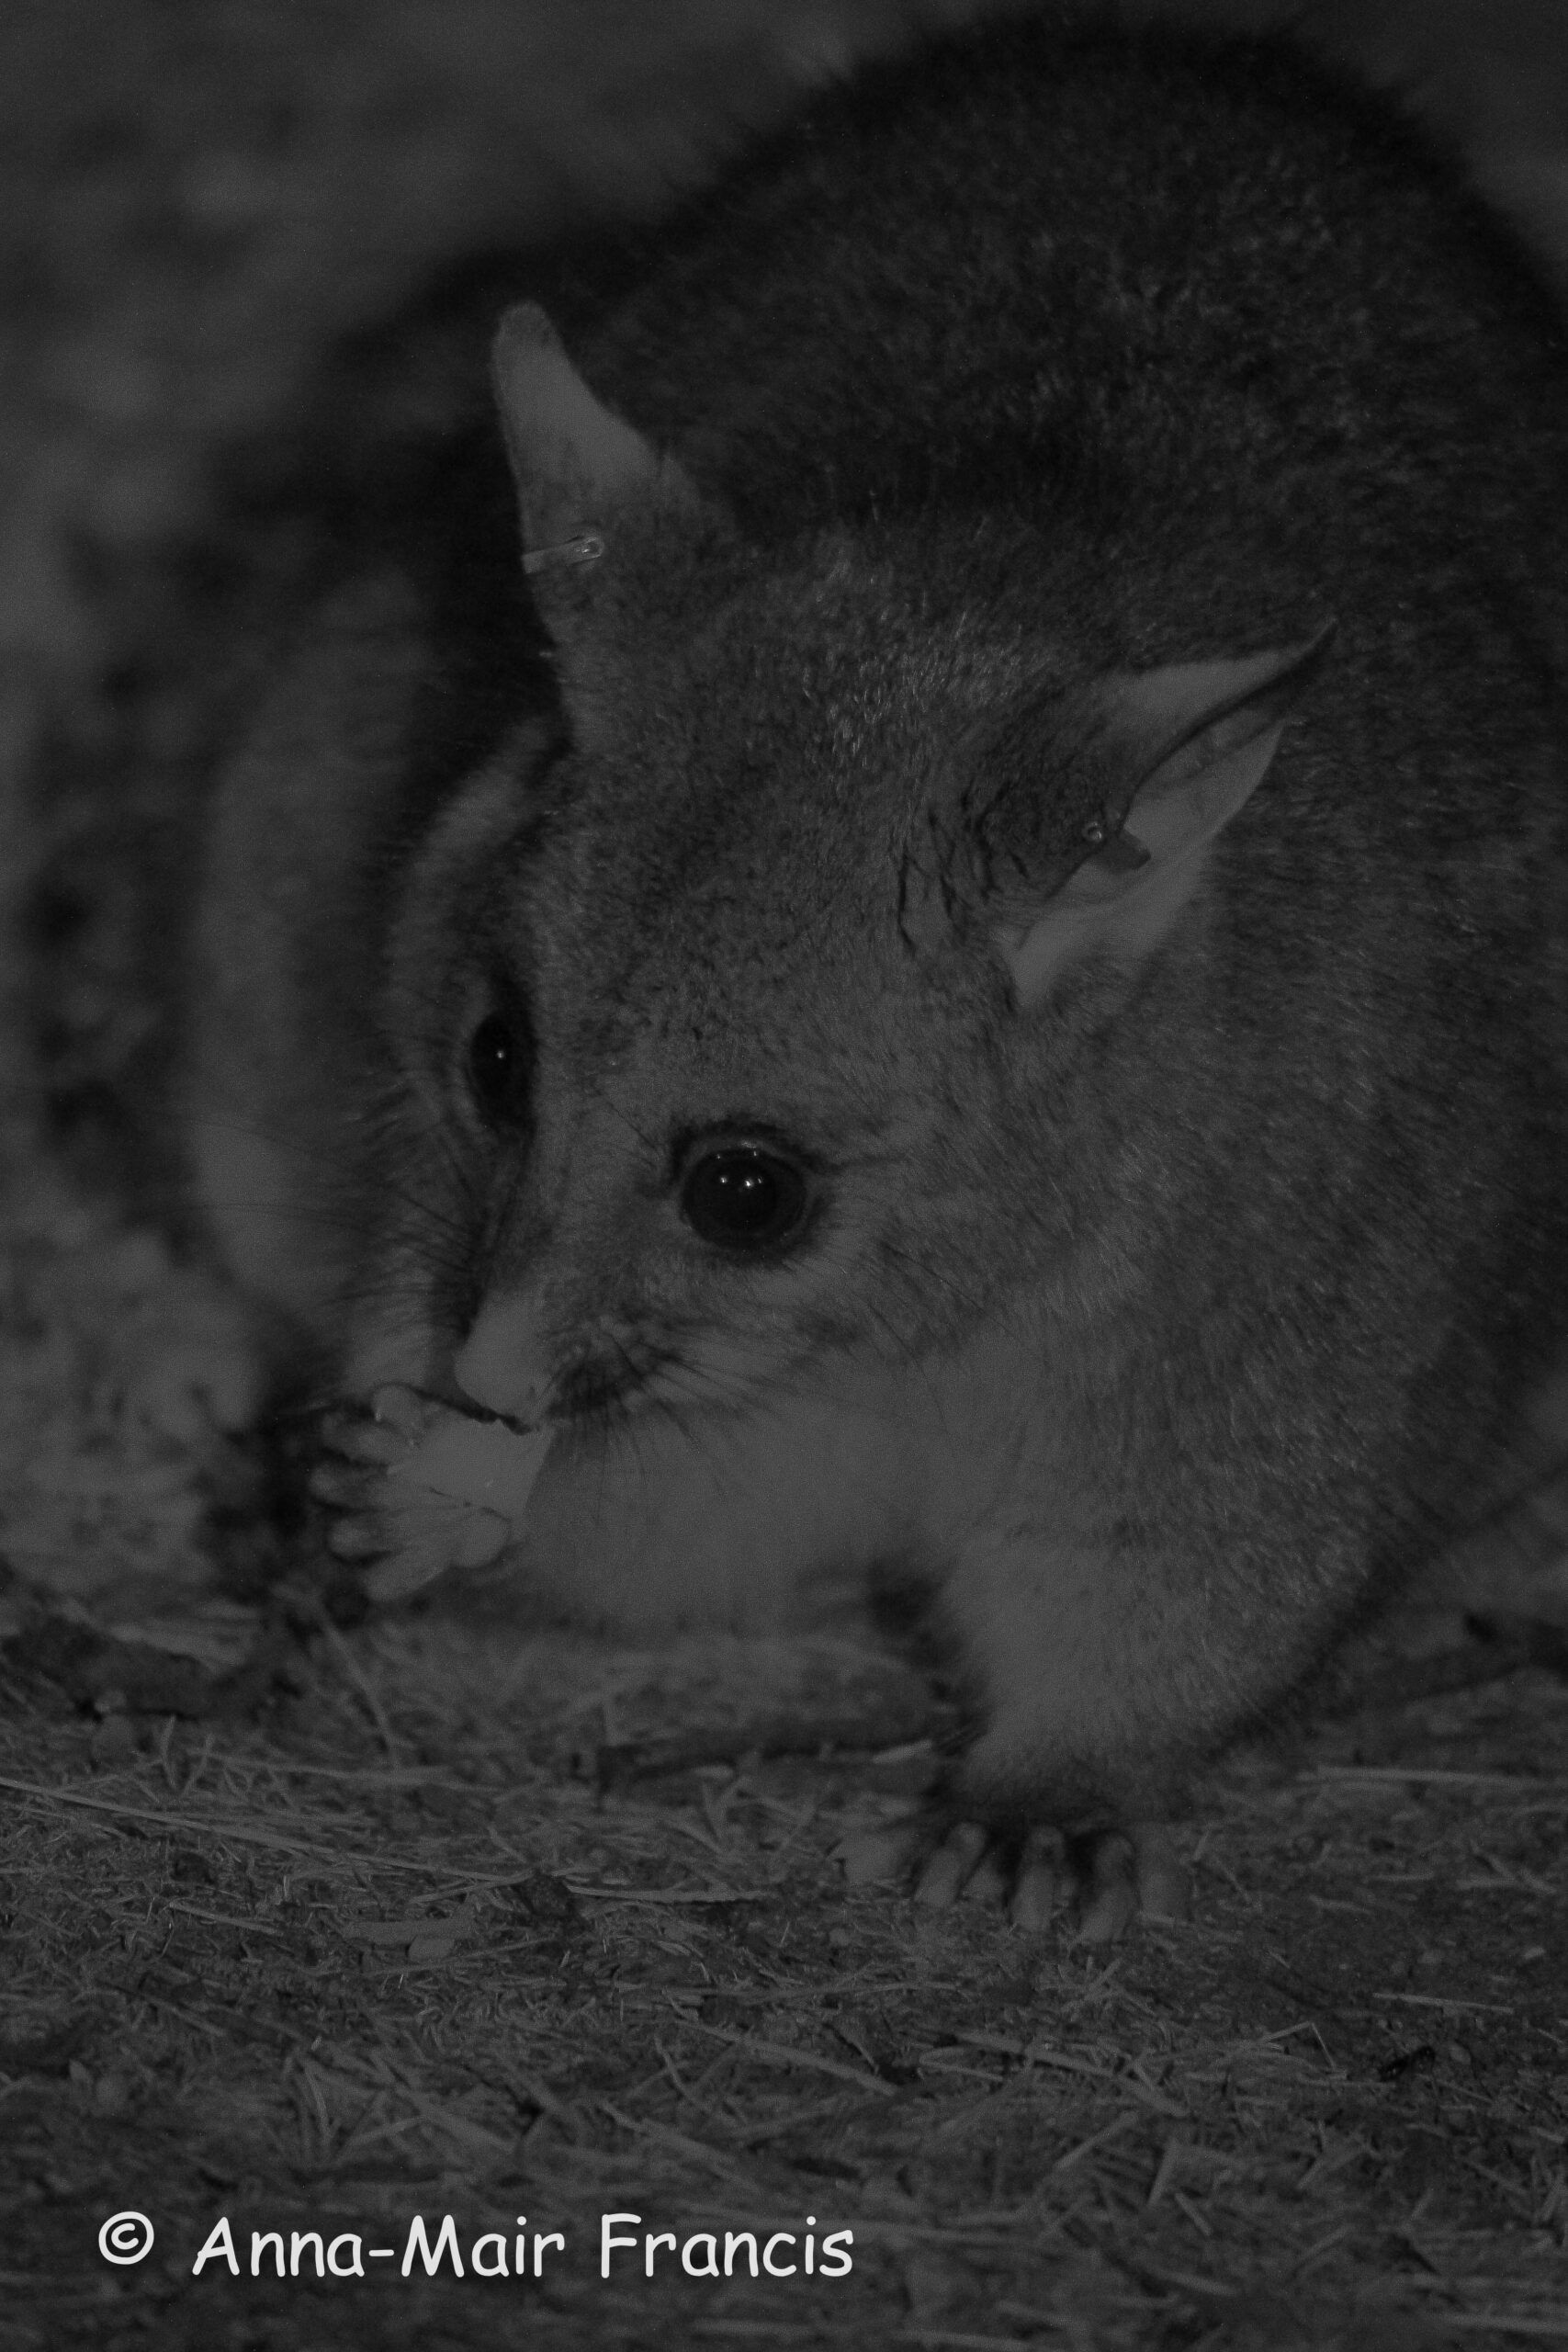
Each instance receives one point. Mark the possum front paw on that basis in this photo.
(417, 1488)
(1108, 1876)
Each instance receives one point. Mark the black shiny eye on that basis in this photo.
(495, 1065)
(739, 1197)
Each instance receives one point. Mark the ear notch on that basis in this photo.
(1189, 744)
(578, 466)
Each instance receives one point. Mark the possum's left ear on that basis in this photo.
(579, 468)
(1193, 741)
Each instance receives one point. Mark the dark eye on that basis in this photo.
(495, 1060)
(740, 1197)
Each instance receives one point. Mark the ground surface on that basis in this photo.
(315, 1922)
(388, 1952)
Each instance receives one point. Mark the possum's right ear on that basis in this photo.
(579, 466)
(1192, 741)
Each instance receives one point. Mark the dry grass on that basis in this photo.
(390, 1951)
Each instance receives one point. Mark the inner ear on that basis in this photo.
(576, 463)
(1193, 741)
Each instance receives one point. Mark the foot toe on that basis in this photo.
(346, 1486)
(407, 1571)
(1039, 1880)
(404, 1413)
(1164, 1891)
(354, 1437)
(879, 1857)
(483, 1537)
(991, 1880)
(1111, 1876)
(948, 1870)
(357, 1535)
(1111, 1894)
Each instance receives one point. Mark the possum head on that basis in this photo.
(726, 1027)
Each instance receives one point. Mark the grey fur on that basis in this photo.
(1177, 1278)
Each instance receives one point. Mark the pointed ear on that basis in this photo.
(577, 465)
(1198, 737)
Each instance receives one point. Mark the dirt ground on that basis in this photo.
(319, 1922)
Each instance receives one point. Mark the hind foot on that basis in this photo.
(1109, 1877)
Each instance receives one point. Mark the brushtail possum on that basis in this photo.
(991, 1016)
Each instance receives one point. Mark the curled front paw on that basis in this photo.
(417, 1488)
(1107, 1878)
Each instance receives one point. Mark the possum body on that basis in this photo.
(991, 1016)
